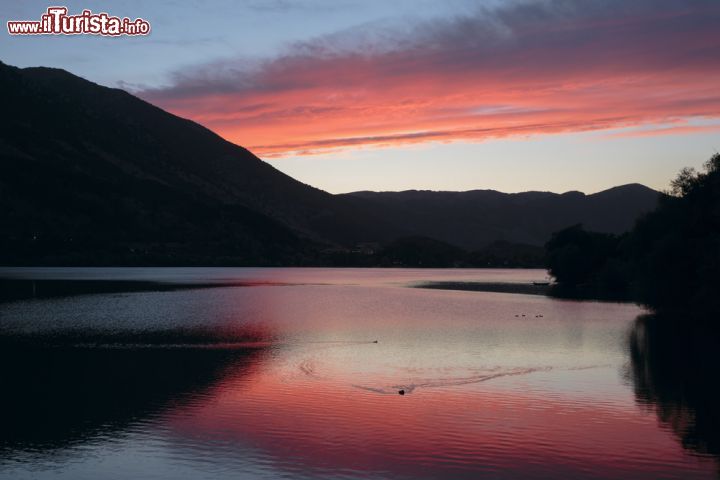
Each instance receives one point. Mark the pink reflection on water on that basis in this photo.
(309, 423)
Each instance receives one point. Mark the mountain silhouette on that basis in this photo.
(87, 168)
(93, 175)
(476, 218)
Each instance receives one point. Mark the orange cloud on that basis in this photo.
(517, 71)
(672, 130)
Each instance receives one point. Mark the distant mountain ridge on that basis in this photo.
(90, 174)
(475, 218)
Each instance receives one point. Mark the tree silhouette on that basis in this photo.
(670, 261)
(676, 248)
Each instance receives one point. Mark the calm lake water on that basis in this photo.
(296, 373)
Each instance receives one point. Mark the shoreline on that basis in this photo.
(495, 287)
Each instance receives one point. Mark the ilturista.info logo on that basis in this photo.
(56, 21)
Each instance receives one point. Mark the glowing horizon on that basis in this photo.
(453, 97)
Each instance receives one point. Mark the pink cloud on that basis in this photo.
(529, 69)
(671, 130)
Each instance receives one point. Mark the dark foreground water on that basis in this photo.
(297, 373)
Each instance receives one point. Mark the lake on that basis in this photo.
(201, 373)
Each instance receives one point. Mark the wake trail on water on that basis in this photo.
(308, 367)
(449, 382)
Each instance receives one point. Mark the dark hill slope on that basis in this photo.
(90, 174)
(94, 168)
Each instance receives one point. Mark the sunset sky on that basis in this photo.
(455, 95)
